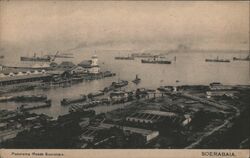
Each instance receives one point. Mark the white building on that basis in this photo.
(91, 66)
(94, 60)
(95, 69)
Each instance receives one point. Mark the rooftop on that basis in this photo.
(159, 113)
(23, 77)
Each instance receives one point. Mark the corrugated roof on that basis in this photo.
(23, 77)
(159, 113)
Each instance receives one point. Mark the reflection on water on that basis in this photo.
(189, 68)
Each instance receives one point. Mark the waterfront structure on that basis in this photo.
(10, 77)
(90, 66)
(119, 96)
(78, 70)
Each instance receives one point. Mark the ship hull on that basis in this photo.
(241, 59)
(214, 60)
(124, 58)
(35, 59)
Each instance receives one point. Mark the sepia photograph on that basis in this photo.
(145, 75)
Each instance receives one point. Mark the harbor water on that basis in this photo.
(188, 69)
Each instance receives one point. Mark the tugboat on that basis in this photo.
(136, 80)
(217, 60)
(119, 84)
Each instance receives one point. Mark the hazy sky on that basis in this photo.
(69, 25)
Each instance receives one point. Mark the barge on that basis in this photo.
(67, 101)
(96, 94)
(29, 98)
(24, 98)
(28, 107)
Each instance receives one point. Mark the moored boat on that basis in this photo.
(27, 107)
(29, 98)
(96, 94)
(67, 101)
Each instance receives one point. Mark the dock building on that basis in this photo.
(150, 116)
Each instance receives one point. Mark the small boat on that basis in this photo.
(119, 84)
(67, 101)
(136, 80)
(108, 74)
(218, 60)
(1, 56)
